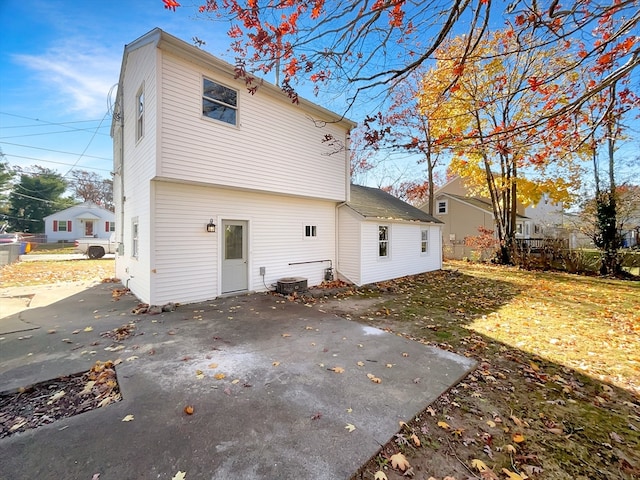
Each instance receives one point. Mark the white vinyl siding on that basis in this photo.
(187, 271)
(404, 258)
(349, 248)
(137, 168)
(276, 147)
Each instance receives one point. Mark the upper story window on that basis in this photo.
(442, 207)
(219, 102)
(140, 114)
(424, 240)
(383, 241)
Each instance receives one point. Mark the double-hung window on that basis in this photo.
(424, 240)
(219, 102)
(134, 237)
(383, 241)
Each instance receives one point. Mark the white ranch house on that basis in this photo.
(83, 220)
(221, 192)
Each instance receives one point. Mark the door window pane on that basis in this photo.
(233, 242)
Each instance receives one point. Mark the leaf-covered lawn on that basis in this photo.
(555, 395)
(47, 272)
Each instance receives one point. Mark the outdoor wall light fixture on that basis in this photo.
(211, 227)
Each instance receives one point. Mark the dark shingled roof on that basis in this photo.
(375, 203)
(478, 202)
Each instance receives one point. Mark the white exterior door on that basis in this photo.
(234, 256)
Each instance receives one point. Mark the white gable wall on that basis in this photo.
(276, 147)
(186, 258)
(405, 257)
(137, 169)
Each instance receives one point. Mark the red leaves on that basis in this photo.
(170, 4)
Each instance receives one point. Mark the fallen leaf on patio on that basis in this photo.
(199, 374)
(275, 364)
(219, 376)
(105, 401)
(285, 335)
(17, 425)
(88, 329)
(56, 396)
(380, 475)
(512, 475)
(236, 381)
(337, 369)
(213, 365)
(444, 425)
(188, 410)
(389, 365)
(399, 461)
(51, 331)
(405, 354)
(96, 476)
(132, 358)
(373, 378)
(349, 410)
(128, 418)
(518, 438)
(65, 340)
(360, 364)
(75, 332)
(179, 476)
(415, 439)
(88, 387)
(416, 380)
(350, 427)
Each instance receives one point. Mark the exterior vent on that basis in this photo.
(287, 286)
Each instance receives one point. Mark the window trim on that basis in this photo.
(424, 242)
(385, 241)
(140, 107)
(235, 107)
(445, 203)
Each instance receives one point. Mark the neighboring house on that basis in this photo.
(462, 214)
(83, 220)
(379, 236)
(550, 220)
(219, 191)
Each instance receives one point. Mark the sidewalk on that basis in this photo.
(279, 412)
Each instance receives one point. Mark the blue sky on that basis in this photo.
(59, 60)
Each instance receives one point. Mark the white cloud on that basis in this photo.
(74, 77)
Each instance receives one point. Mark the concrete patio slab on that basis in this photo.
(279, 412)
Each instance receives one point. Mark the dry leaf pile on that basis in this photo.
(46, 402)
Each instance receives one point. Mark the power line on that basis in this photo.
(75, 130)
(88, 144)
(57, 163)
(51, 150)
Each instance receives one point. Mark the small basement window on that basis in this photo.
(310, 231)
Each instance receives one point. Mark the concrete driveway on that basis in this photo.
(279, 412)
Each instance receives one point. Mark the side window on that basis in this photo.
(134, 237)
(424, 240)
(383, 241)
(219, 102)
(140, 114)
(310, 231)
(442, 207)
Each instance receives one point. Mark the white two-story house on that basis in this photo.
(219, 191)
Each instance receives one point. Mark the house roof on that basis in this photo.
(86, 210)
(375, 203)
(476, 202)
(169, 43)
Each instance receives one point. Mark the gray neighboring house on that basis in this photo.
(83, 220)
(382, 237)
